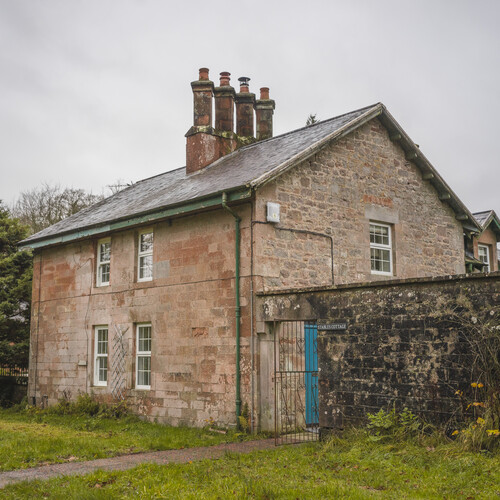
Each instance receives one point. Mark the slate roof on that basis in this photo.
(232, 171)
(486, 218)
(248, 167)
(482, 217)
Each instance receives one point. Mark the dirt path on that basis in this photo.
(128, 461)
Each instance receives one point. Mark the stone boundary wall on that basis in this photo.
(401, 346)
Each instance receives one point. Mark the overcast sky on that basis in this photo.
(95, 91)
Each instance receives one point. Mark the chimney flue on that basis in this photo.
(202, 147)
(264, 109)
(202, 100)
(244, 109)
(224, 104)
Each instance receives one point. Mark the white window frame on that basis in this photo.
(99, 356)
(101, 263)
(381, 246)
(143, 354)
(486, 261)
(141, 254)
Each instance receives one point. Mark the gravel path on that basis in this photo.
(125, 462)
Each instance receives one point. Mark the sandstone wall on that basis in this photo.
(362, 177)
(190, 305)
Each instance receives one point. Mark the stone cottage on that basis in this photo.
(149, 294)
(483, 246)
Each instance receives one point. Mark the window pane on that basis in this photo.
(146, 242)
(483, 254)
(380, 260)
(146, 267)
(102, 369)
(105, 252)
(379, 234)
(102, 341)
(104, 269)
(144, 370)
(144, 344)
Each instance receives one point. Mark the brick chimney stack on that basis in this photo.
(202, 147)
(244, 109)
(264, 109)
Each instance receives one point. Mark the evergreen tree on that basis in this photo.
(311, 119)
(16, 273)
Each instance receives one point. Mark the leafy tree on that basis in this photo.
(15, 292)
(43, 206)
(311, 119)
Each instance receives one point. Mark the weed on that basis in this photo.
(393, 424)
(85, 404)
(244, 419)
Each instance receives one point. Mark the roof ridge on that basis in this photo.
(320, 122)
(257, 143)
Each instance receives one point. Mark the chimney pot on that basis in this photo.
(264, 93)
(244, 87)
(203, 74)
(224, 78)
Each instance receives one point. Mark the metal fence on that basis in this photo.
(13, 371)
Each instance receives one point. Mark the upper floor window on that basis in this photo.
(101, 355)
(103, 261)
(145, 257)
(380, 248)
(143, 356)
(484, 256)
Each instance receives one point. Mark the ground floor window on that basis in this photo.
(143, 356)
(101, 355)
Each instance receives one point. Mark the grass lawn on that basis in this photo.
(27, 440)
(351, 468)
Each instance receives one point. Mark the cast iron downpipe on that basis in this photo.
(237, 220)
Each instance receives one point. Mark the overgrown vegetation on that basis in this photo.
(85, 405)
(394, 425)
(350, 466)
(479, 403)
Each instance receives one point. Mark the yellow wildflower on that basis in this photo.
(481, 421)
(493, 432)
(480, 385)
(474, 384)
(454, 433)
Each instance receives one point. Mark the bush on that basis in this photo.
(392, 424)
(86, 405)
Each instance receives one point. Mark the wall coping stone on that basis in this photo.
(385, 283)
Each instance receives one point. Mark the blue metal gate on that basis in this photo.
(311, 373)
(296, 382)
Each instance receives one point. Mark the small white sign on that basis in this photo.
(273, 212)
